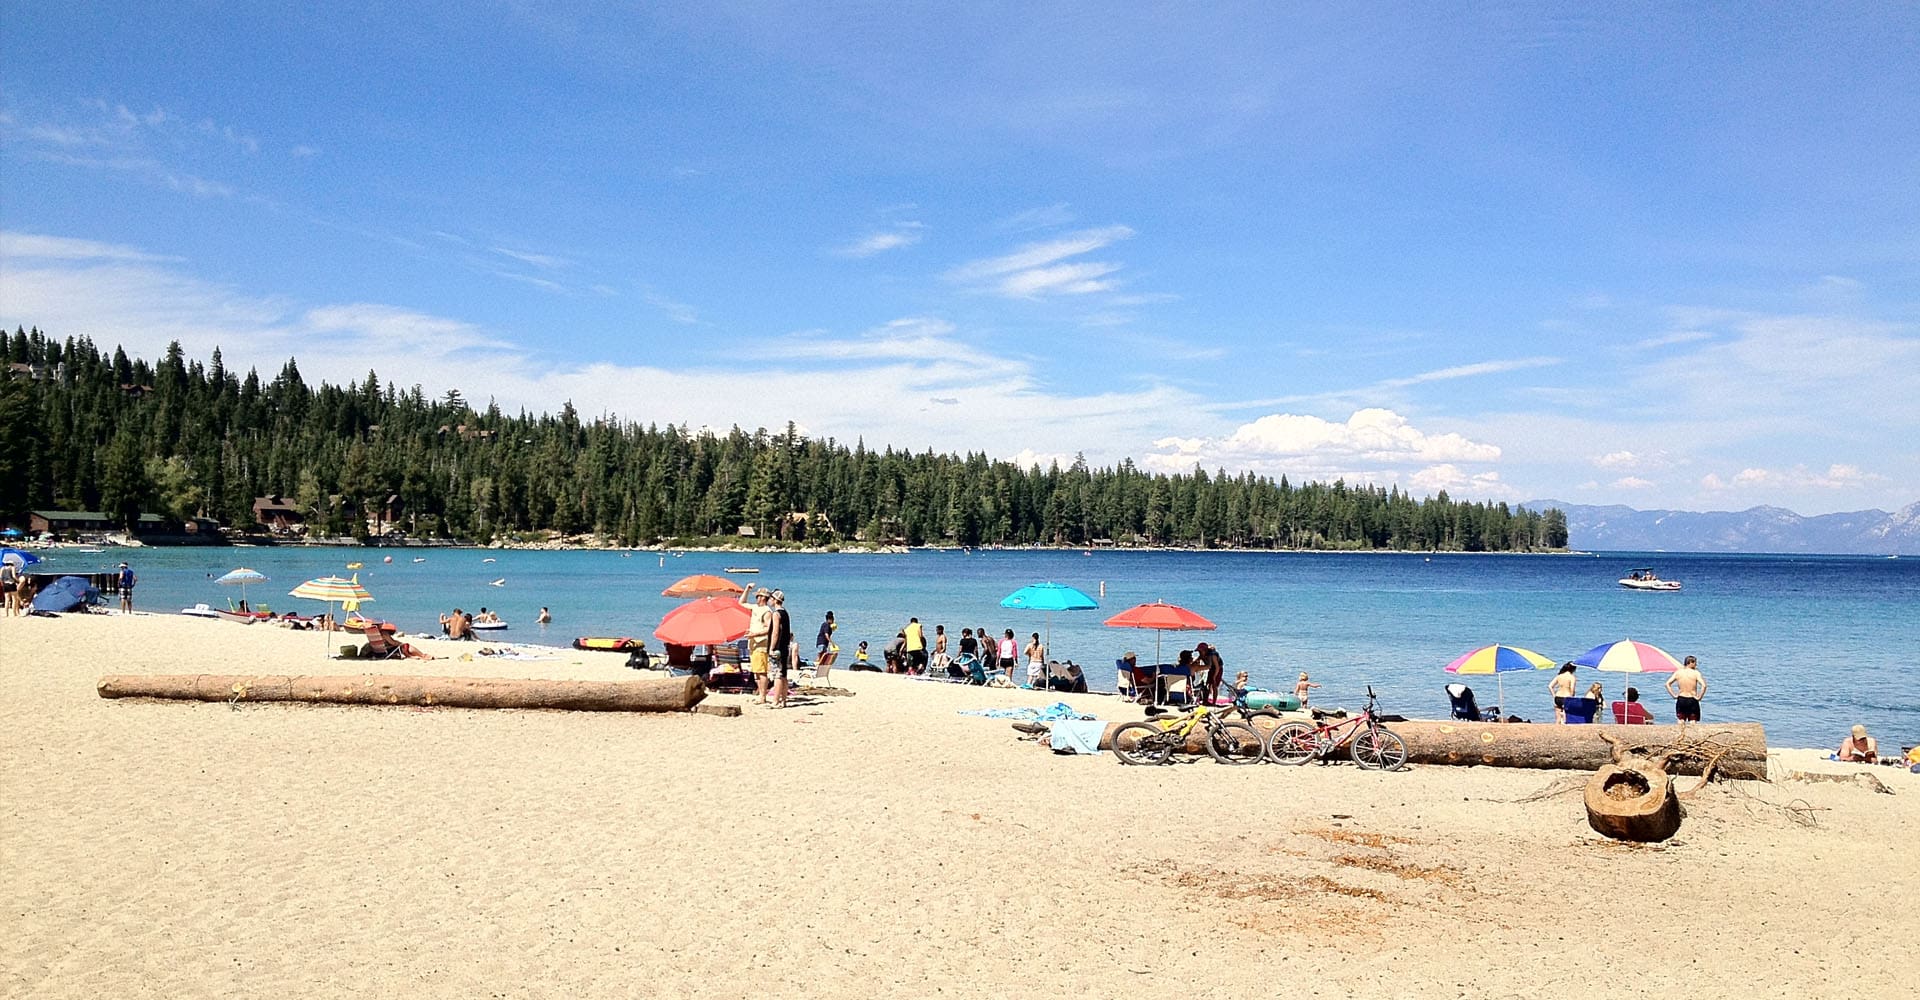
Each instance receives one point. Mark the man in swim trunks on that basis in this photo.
(780, 648)
(760, 641)
(1687, 687)
(127, 580)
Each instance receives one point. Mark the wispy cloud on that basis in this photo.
(1038, 269)
(36, 246)
(1469, 371)
(908, 370)
(679, 312)
(903, 234)
(1836, 477)
(545, 261)
(1045, 217)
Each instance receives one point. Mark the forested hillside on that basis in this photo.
(84, 430)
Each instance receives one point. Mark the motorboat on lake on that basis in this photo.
(1647, 579)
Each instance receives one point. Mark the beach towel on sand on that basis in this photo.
(1077, 735)
(1057, 710)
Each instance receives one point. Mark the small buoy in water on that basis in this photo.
(1103, 589)
(388, 559)
(489, 559)
(498, 583)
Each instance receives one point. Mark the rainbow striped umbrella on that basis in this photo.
(1496, 660)
(332, 590)
(1629, 656)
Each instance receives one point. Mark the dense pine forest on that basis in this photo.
(84, 430)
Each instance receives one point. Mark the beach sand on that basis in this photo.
(873, 845)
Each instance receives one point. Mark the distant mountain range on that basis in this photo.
(1757, 529)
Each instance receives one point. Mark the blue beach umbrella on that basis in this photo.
(1049, 597)
(18, 557)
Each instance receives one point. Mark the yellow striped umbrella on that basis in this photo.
(332, 590)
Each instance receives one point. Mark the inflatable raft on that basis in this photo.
(606, 644)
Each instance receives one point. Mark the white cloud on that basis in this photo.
(1468, 371)
(1453, 479)
(1631, 483)
(679, 312)
(33, 245)
(915, 382)
(1037, 269)
(1629, 461)
(1371, 445)
(541, 260)
(1836, 477)
(905, 234)
(1045, 217)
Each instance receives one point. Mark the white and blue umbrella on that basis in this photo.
(1049, 597)
(19, 557)
(240, 578)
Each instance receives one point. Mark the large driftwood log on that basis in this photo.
(1549, 746)
(675, 694)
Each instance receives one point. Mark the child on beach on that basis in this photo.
(1301, 688)
(1237, 691)
(860, 661)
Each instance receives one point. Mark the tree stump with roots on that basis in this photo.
(1632, 798)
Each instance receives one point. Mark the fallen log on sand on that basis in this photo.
(1738, 749)
(675, 694)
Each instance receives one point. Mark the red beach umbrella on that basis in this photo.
(1161, 617)
(708, 621)
(702, 585)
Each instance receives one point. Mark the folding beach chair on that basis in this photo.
(1631, 713)
(1466, 707)
(1580, 711)
(379, 647)
(1124, 682)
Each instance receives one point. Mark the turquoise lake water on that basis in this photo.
(1807, 645)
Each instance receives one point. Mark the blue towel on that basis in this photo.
(1057, 710)
(1078, 735)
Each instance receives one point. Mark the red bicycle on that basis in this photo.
(1371, 745)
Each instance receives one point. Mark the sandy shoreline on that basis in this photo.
(879, 844)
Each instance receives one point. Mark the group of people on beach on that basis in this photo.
(979, 656)
(1687, 686)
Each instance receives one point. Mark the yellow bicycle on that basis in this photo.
(1155, 741)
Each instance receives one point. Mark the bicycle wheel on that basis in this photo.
(1293, 743)
(1235, 743)
(1141, 743)
(1378, 749)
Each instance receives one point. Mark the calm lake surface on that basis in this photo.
(1808, 645)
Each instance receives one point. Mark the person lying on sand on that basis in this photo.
(1859, 748)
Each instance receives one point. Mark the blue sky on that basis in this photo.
(1664, 256)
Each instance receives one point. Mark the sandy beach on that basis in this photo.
(878, 844)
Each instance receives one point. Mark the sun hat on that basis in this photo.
(1859, 732)
(779, 595)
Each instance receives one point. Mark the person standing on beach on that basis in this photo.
(940, 647)
(1036, 663)
(127, 580)
(1687, 687)
(916, 647)
(1009, 656)
(1561, 687)
(1208, 670)
(781, 646)
(1302, 688)
(10, 586)
(759, 634)
(825, 652)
